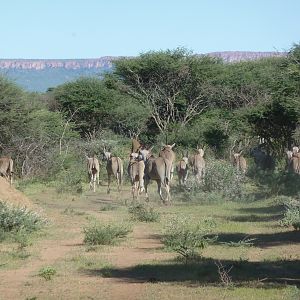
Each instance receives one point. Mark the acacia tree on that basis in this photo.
(175, 86)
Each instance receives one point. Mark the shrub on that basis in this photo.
(186, 237)
(105, 234)
(292, 214)
(71, 180)
(47, 272)
(224, 178)
(143, 213)
(193, 191)
(13, 218)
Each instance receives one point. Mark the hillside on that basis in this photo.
(40, 74)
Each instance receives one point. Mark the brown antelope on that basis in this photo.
(168, 154)
(135, 145)
(294, 160)
(136, 171)
(114, 166)
(93, 171)
(6, 168)
(158, 169)
(183, 169)
(240, 162)
(197, 163)
(295, 150)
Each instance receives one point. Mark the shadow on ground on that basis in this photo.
(262, 240)
(273, 209)
(254, 218)
(243, 273)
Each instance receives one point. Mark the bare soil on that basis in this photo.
(24, 282)
(9, 194)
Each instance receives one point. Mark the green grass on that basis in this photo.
(265, 257)
(191, 292)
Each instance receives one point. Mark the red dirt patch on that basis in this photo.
(11, 195)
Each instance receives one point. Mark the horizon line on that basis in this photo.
(117, 56)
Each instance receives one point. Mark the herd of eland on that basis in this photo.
(144, 166)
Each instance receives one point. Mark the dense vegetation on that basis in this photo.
(161, 96)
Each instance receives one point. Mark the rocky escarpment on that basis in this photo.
(235, 56)
(107, 61)
(72, 64)
(40, 74)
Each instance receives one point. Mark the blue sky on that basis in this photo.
(90, 28)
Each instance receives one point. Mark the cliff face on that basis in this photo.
(40, 74)
(107, 61)
(71, 64)
(235, 56)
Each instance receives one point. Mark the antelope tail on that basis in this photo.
(120, 170)
(167, 173)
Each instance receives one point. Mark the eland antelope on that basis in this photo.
(240, 162)
(6, 168)
(197, 163)
(136, 171)
(114, 166)
(158, 169)
(294, 160)
(93, 171)
(168, 153)
(183, 169)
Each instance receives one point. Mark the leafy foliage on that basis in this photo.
(28, 129)
(222, 177)
(174, 85)
(186, 237)
(47, 272)
(16, 219)
(105, 234)
(292, 214)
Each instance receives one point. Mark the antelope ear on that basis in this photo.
(173, 145)
(150, 149)
(241, 152)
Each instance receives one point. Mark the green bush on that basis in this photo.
(187, 237)
(292, 214)
(72, 179)
(47, 272)
(223, 177)
(105, 234)
(143, 213)
(13, 218)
